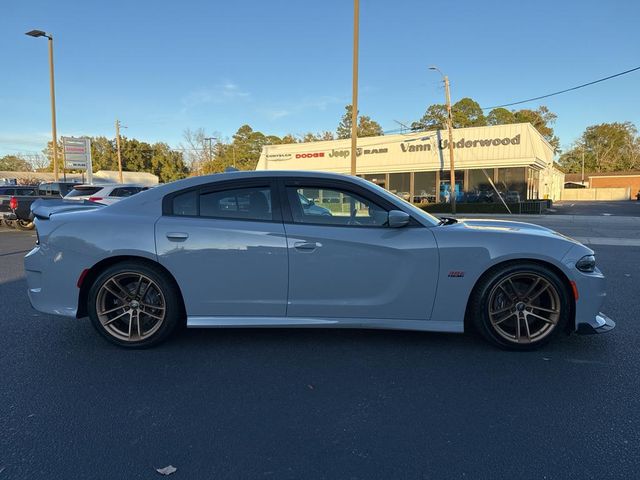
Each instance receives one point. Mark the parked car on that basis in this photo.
(141, 267)
(424, 197)
(311, 208)
(105, 194)
(15, 201)
(19, 214)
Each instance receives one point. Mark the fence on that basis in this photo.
(603, 194)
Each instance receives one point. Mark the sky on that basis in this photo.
(162, 67)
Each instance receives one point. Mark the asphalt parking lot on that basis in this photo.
(334, 404)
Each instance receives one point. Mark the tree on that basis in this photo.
(435, 118)
(500, 116)
(366, 126)
(467, 113)
(542, 120)
(196, 149)
(318, 137)
(14, 163)
(607, 147)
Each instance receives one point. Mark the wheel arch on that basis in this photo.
(468, 323)
(98, 268)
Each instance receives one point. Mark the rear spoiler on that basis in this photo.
(43, 209)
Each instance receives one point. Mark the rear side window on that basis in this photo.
(7, 191)
(27, 192)
(252, 203)
(243, 203)
(186, 204)
(83, 191)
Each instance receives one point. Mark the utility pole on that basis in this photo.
(118, 149)
(354, 100)
(452, 186)
(583, 165)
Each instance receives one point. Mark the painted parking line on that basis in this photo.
(616, 242)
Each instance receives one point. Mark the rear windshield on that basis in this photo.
(81, 191)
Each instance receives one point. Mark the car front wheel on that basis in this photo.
(520, 306)
(134, 305)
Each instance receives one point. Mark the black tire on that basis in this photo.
(169, 295)
(489, 290)
(24, 225)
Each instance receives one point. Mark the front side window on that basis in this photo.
(251, 203)
(333, 206)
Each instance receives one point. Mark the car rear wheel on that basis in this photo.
(520, 306)
(134, 305)
(24, 225)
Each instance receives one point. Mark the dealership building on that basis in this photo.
(515, 158)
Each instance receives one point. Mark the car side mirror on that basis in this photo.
(398, 219)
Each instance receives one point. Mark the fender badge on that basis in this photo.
(456, 274)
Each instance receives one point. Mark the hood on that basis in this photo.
(43, 209)
(508, 226)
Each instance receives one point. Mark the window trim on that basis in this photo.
(267, 182)
(347, 187)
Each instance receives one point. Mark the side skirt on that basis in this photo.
(296, 322)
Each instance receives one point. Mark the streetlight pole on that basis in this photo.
(452, 182)
(354, 99)
(54, 134)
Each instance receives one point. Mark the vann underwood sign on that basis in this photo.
(493, 145)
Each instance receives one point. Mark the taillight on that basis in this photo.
(95, 199)
(13, 203)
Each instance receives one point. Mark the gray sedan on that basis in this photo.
(242, 249)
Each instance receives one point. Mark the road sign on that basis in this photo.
(77, 154)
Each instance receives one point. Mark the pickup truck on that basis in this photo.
(16, 200)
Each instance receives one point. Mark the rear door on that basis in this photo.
(225, 245)
(346, 262)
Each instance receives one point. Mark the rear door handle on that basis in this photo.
(308, 246)
(177, 236)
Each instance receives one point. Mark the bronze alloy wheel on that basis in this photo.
(130, 306)
(524, 308)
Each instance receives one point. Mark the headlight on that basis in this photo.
(586, 264)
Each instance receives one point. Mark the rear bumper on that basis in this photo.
(601, 324)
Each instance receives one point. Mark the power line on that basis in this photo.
(563, 91)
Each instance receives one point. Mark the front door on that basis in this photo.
(226, 247)
(345, 262)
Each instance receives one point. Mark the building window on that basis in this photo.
(400, 184)
(445, 185)
(424, 187)
(512, 183)
(377, 178)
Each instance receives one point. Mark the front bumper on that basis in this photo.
(603, 324)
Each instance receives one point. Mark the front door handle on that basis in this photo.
(307, 246)
(177, 236)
